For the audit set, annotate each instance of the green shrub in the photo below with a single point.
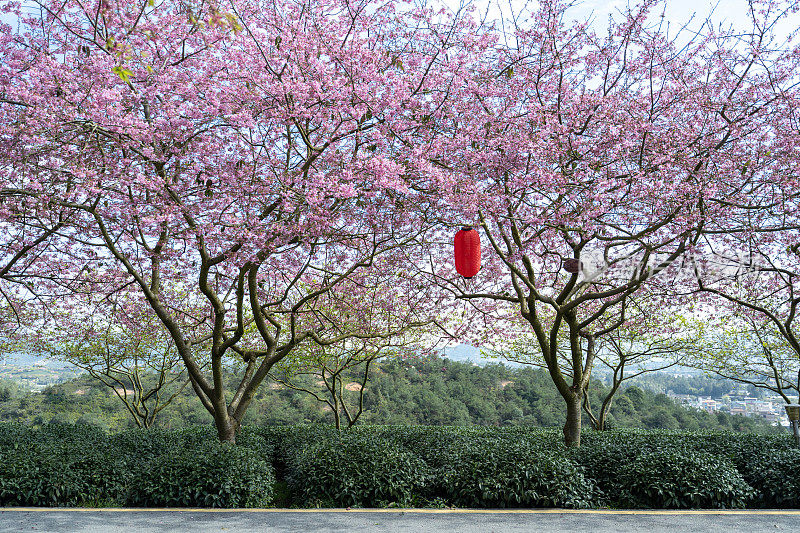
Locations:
(260, 440)
(492, 472)
(208, 475)
(29, 478)
(739, 448)
(613, 458)
(58, 465)
(433, 445)
(103, 474)
(354, 469)
(672, 479)
(15, 434)
(66, 465)
(776, 477)
(603, 462)
(138, 446)
(84, 436)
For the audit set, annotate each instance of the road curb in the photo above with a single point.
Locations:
(749, 512)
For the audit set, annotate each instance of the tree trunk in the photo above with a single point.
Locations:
(226, 429)
(597, 423)
(336, 418)
(572, 428)
(604, 409)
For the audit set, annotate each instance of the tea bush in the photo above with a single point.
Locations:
(59, 465)
(610, 457)
(211, 474)
(672, 479)
(354, 469)
(475, 466)
(493, 472)
(35, 479)
(775, 475)
(603, 461)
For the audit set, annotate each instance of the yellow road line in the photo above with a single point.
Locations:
(423, 511)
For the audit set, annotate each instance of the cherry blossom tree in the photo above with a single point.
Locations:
(240, 166)
(24, 238)
(123, 346)
(652, 337)
(745, 267)
(243, 166)
(337, 375)
(593, 163)
(752, 303)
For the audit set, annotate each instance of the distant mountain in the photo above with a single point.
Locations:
(465, 353)
(23, 359)
(469, 354)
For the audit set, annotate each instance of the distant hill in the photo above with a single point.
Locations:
(425, 391)
(464, 353)
(23, 359)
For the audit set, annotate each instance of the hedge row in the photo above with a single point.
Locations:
(64, 465)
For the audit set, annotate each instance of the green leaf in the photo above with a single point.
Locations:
(123, 73)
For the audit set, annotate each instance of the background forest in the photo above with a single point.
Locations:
(426, 391)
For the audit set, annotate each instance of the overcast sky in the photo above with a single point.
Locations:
(678, 12)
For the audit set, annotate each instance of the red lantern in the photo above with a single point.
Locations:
(467, 252)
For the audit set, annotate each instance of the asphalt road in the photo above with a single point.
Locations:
(411, 520)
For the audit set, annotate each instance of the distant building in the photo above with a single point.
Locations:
(686, 399)
(708, 404)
